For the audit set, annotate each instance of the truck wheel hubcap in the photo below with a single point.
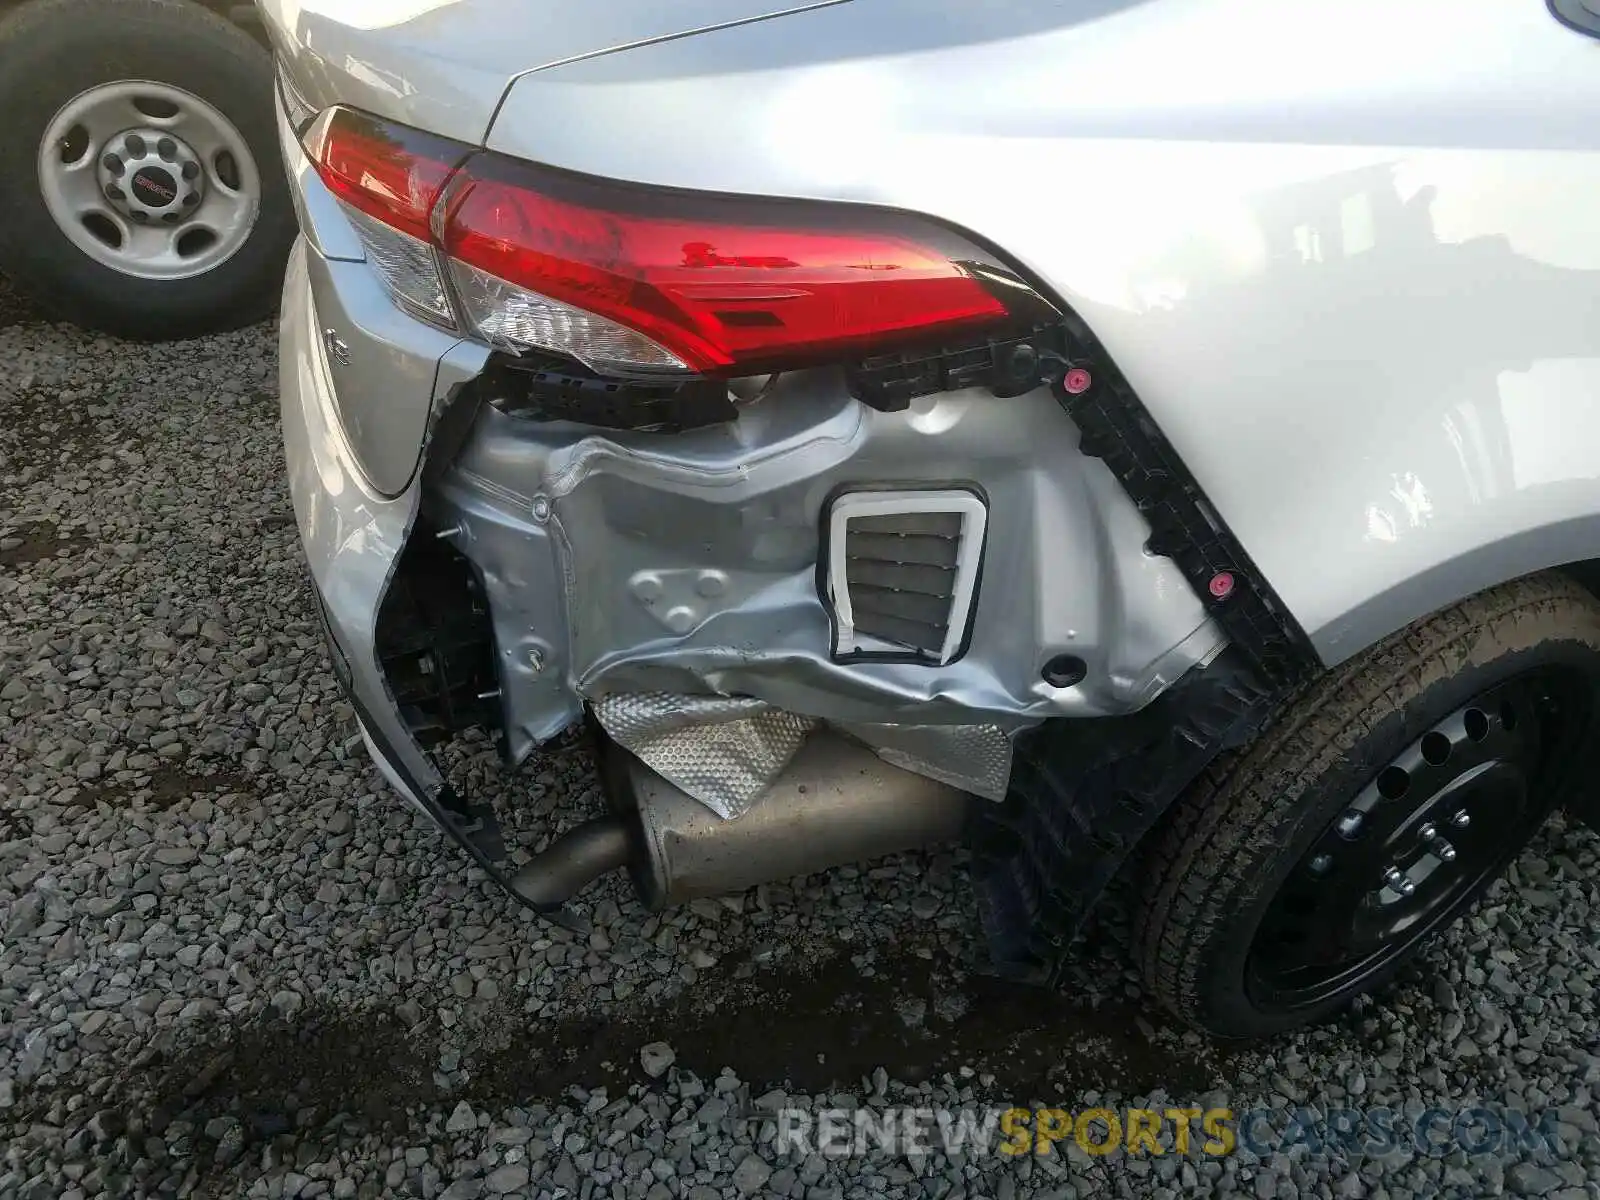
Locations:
(149, 180)
(1419, 842)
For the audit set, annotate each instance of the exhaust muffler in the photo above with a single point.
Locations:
(836, 802)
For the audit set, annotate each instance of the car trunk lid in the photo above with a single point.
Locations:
(443, 65)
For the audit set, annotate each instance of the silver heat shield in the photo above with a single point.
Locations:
(974, 758)
(723, 751)
(727, 751)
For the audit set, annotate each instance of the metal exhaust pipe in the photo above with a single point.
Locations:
(575, 860)
(836, 802)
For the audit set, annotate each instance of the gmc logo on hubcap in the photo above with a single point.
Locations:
(160, 189)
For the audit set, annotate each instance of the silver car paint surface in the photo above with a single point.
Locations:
(1339, 256)
(1332, 272)
(443, 65)
(351, 537)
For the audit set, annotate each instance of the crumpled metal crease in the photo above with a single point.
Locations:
(725, 751)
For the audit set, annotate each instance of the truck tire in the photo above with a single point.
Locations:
(1303, 869)
(144, 194)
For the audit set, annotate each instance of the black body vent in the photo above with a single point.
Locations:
(901, 571)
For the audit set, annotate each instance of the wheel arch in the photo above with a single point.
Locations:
(1565, 538)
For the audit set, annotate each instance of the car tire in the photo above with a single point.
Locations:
(1269, 902)
(212, 86)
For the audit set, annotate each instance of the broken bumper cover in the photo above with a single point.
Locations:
(620, 567)
(352, 539)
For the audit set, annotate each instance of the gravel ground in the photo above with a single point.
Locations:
(231, 963)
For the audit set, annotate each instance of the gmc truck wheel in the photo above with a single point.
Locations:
(1304, 869)
(143, 194)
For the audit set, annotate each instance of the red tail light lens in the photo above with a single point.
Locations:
(389, 179)
(386, 171)
(724, 283)
(631, 278)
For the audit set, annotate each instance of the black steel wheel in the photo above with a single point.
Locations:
(1420, 840)
(1379, 805)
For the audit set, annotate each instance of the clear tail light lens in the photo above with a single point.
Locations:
(408, 268)
(389, 178)
(513, 317)
(627, 278)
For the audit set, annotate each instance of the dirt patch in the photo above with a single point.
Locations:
(170, 785)
(35, 542)
(274, 1078)
(14, 310)
(833, 1025)
(813, 1030)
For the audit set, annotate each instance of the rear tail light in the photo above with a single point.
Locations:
(389, 179)
(629, 279)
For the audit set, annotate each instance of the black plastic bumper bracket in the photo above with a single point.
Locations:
(471, 826)
(1083, 793)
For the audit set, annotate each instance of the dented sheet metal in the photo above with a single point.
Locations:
(630, 564)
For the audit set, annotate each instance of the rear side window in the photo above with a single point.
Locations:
(1582, 15)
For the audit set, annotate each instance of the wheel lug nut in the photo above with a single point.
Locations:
(1350, 823)
(167, 149)
(134, 145)
(190, 199)
(1445, 851)
(1462, 819)
(1427, 833)
(190, 170)
(1398, 882)
(1321, 864)
(112, 163)
(113, 192)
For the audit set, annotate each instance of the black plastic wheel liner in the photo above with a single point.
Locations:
(1083, 793)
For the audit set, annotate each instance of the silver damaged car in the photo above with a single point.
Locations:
(1148, 438)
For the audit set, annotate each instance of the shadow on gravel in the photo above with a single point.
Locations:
(808, 1030)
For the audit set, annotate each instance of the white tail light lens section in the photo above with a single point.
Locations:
(406, 266)
(389, 179)
(722, 285)
(513, 318)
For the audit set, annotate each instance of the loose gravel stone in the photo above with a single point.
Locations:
(233, 963)
(655, 1058)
